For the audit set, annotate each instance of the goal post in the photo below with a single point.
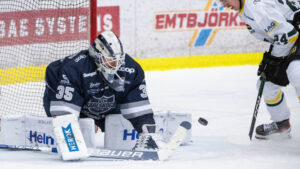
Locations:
(34, 33)
(93, 20)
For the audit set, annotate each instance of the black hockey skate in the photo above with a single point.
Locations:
(274, 130)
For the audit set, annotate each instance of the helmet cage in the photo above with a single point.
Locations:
(108, 53)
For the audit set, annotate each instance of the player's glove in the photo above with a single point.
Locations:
(270, 65)
(296, 21)
(150, 139)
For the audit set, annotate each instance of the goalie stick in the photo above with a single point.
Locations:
(98, 153)
(28, 148)
(162, 154)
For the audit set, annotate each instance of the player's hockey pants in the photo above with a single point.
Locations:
(274, 96)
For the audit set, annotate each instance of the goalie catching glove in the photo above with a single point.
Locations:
(150, 139)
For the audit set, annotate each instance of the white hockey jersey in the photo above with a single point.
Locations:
(271, 20)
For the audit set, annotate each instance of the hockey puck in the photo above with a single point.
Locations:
(202, 121)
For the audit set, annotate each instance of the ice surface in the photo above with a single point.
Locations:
(225, 96)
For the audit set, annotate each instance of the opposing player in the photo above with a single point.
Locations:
(277, 22)
(99, 81)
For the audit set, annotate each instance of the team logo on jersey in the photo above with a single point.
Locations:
(94, 88)
(97, 106)
(85, 75)
(93, 91)
(127, 69)
(72, 56)
(65, 80)
(271, 27)
(93, 85)
(79, 58)
(205, 23)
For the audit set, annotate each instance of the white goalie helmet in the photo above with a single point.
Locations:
(107, 50)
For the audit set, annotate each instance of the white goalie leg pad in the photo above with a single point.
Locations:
(69, 138)
(87, 127)
(13, 130)
(119, 133)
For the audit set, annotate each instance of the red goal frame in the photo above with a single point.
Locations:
(93, 20)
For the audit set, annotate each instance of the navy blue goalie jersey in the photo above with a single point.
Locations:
(74, 85)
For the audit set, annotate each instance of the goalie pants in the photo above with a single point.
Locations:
(274, 96)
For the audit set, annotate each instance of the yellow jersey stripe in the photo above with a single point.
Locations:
(294, 39)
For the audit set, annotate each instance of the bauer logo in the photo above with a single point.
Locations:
(40, 138)
(70, 139)
(204, 23)
(119, 153)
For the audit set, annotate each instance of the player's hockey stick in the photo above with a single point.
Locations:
(260, 91)
(162, 154)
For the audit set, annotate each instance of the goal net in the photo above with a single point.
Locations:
(34, 33)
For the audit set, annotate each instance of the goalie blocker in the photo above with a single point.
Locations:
(68, 136)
